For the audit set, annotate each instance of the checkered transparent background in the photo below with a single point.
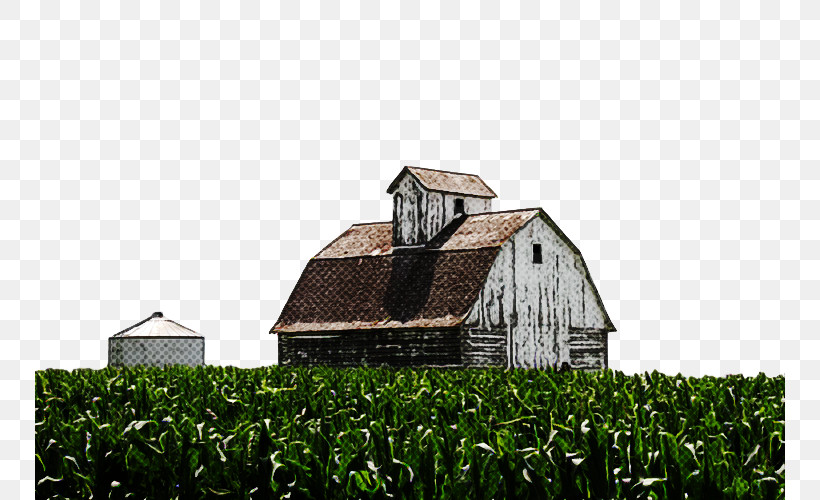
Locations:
(190, 158)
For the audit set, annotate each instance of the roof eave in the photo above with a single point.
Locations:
(284, 330)
(472, 195)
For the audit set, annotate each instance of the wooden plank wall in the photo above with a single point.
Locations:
(588, 349)
(537, 303)
(409, 213)
(372, 348)
(484, 347)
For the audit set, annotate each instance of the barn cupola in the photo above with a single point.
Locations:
(425, 201)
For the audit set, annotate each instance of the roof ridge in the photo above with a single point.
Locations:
(442, 171)
(429, 180)
(536, 209)
(414, 251)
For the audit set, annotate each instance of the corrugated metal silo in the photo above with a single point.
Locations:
(156, 341)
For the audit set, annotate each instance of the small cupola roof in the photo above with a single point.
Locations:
(446, 182)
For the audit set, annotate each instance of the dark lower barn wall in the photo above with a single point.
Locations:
(372, 348)
(588, 349)
(154, 351)
(484, 347)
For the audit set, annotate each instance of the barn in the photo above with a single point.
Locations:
(448, 282)
(156, 341)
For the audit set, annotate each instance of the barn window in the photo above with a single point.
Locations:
(459, 209)
(536, 253)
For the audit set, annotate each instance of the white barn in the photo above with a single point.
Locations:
(448, 282)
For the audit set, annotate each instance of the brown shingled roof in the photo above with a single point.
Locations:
(447, 182)
(359, 282)
(477, 231)
(426, 289)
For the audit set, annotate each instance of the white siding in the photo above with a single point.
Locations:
(409, 213)
(435, 213)
(536, 303)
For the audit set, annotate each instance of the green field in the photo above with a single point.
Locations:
(379, 433)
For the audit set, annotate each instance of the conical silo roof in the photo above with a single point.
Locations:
(158, 325)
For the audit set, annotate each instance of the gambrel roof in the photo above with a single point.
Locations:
(360, 281)
(445, 182)
(476, 231)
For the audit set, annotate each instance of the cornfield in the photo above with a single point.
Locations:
(204, 432)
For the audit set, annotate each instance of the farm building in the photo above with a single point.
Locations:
(156, 341)
(448, 282)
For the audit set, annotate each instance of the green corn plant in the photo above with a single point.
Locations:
(204, 432)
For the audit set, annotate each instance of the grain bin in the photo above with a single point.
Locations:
(156, 341)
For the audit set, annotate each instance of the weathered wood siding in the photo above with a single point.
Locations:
(409, 213)
(484, 347)
(441, 209)
(588, 349)
(536, 304)
(419, 214)
(372, 348)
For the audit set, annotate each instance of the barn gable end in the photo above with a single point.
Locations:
(537, 304)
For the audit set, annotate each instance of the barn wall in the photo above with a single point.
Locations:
(131, 351)
(409, 213)
(441, 209)
(435, 213)
(484, 347)
(418, 214)
(372, 348)
(472, 205)
(536, 304)
(588, 349)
